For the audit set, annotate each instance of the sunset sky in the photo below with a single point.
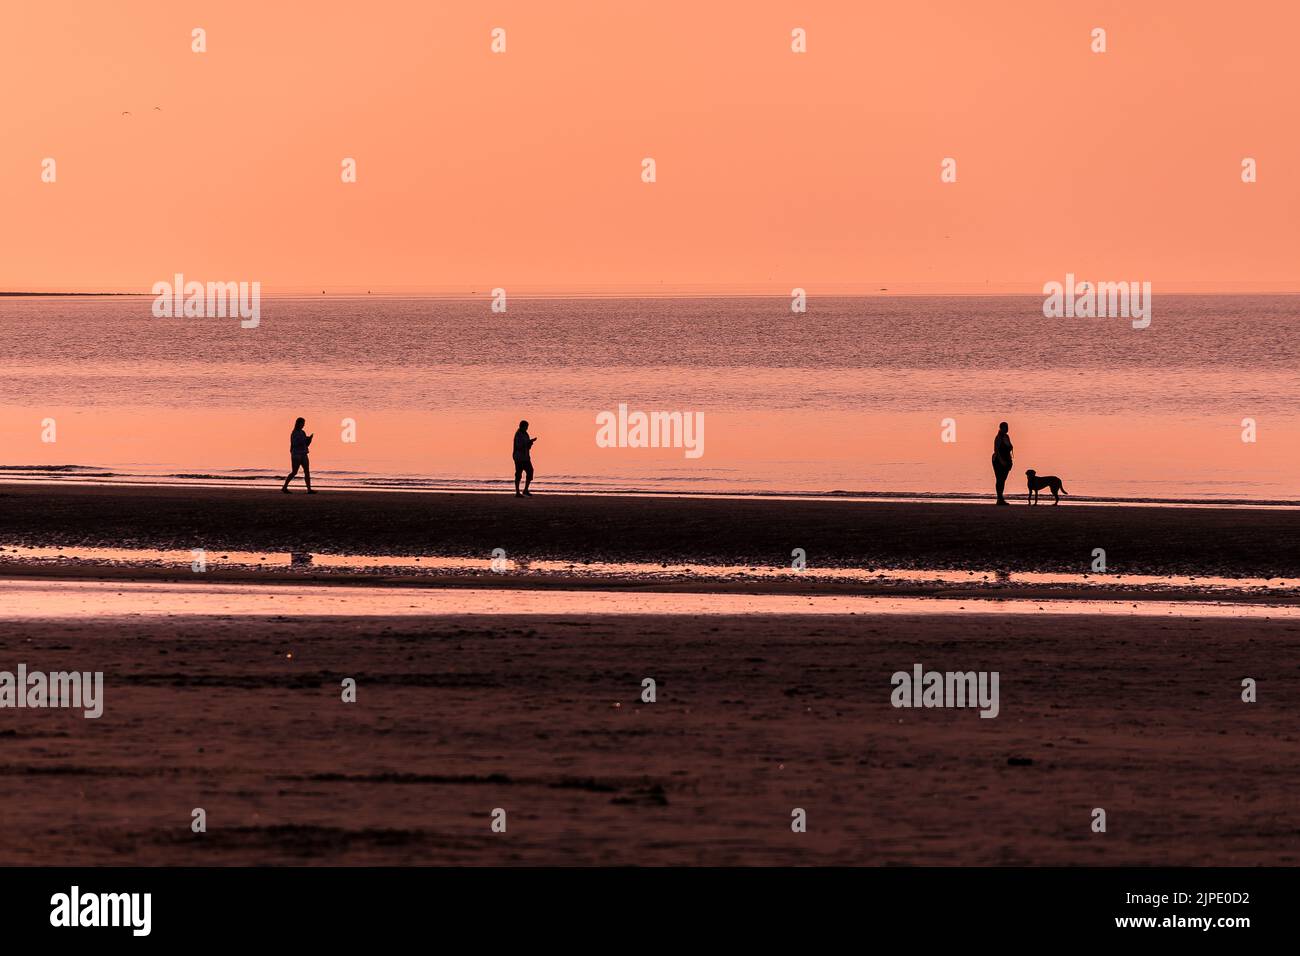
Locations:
(775, 169)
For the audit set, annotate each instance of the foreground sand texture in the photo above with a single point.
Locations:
(755, 716)
(237, 708)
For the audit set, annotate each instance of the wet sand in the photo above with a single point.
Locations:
(71, 600)
(1137, 540)
(235, 707)
(756, 715)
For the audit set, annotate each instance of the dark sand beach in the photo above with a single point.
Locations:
(1248, 542)
(540, 714)
(456, 716)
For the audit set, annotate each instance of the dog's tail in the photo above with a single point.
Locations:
(1063, 491)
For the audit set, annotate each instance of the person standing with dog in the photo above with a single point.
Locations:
(1001, 460)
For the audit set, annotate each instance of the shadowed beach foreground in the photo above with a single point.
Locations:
(540, 713)
(456, 716)
(760, 531)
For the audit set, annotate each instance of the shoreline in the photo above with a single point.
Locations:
(402, 484)
(760, 533)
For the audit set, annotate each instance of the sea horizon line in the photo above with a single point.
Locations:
(683, 294)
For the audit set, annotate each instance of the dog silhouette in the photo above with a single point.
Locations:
(1050, 482)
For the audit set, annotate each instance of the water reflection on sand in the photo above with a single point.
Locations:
(515, 568)
(38, 599)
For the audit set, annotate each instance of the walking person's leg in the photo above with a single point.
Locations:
(1000, 480)
(289, 478)
(306, 474)
(528, 470)
(519, 470)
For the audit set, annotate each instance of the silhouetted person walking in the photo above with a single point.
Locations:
(523, 459)
(299, 442)
(1001, 460)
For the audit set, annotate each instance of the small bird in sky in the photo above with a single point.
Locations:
(126, 113)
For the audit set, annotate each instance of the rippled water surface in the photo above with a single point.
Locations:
(851, 396)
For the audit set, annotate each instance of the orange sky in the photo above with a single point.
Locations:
(775, 169)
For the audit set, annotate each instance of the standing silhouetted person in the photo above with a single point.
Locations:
(299, 442)
(523, 459)
(1001, 460)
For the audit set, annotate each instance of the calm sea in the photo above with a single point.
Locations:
(855, 395)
